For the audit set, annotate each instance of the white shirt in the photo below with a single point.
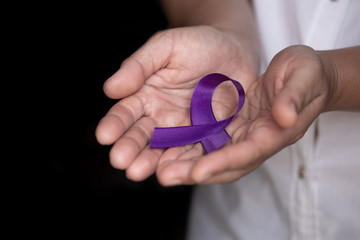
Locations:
(310, 190)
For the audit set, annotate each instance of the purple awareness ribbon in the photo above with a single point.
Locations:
(205, 128)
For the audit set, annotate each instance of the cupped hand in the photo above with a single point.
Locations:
(279, 108)
(155, 85)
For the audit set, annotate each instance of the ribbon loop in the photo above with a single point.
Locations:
(205, 128)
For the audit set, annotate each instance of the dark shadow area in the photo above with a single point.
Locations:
(65, 185)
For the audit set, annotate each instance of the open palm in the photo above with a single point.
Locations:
(155, 86)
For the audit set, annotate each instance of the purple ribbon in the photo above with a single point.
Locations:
(205, 127)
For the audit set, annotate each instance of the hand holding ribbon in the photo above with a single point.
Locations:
(155, 87)
(205, 127)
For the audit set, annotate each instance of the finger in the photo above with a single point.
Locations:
(284, 111)
(173, 153)
(182, 152)
(196, 150)
(129, 146)
(118, 119)
(173, 169)
(241, 155)
(134, 71)
(299, 90)
(276, 87)
(175, 172)
(225, 177)
(204, 170)
(244, 156)
(144, 165)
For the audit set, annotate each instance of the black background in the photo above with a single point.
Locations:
(56, 178)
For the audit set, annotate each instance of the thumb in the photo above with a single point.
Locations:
(295, 95)
(134, 71)
(284, 110)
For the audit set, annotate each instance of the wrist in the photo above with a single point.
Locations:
(248, 43)
(331, 75)
(343, 71)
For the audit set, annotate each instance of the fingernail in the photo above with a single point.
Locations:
(204, 178)
(174, 182)
(278, 85)
(292, 105)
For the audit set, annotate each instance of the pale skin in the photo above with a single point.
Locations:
(155, 86)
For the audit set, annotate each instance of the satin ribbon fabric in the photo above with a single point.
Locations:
(205, 128)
